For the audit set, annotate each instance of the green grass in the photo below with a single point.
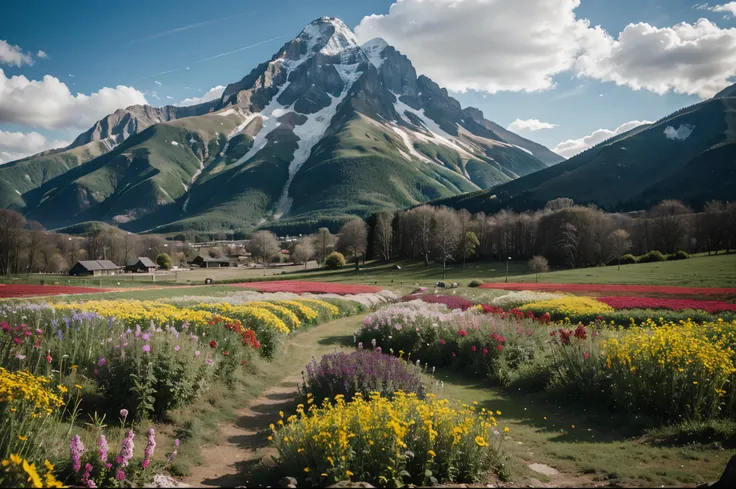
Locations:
(602, 446)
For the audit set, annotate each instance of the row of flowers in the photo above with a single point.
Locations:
(667, 370)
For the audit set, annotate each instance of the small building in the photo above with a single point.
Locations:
(94, 268)
(203, 262)
(142, 264)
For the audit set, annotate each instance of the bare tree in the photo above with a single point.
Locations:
(713, 220)
(263, 245)
(423, 219)
(446, 236)
(324, 242)
(467, 247)
(11, 224)
(559, 203)
(33, 243)
(619, 244)
(668, 218)
(384, 234)
(303, 252)
(353, 240)
(538, 264)
(569, 240)
(57, 264)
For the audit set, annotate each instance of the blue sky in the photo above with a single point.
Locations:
(91, 45)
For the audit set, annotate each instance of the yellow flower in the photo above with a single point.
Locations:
(306, 469)
(348, 473)
(498, 413)
(506, 429)
(480, 441)
(22, 438)
(79, 387)
(270, 438)
(49, 466)
(431, 453)
(15, 458)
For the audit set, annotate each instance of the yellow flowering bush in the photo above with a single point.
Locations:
(389, 442)
(135, 312)
(16, 471)
(305, 313)
(324, 308)
(569, 306)
(27, 404)
(673, 370)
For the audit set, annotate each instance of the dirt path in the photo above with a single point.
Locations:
(244, 443)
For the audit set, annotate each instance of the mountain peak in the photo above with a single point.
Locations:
(373, 50)
(328, 35)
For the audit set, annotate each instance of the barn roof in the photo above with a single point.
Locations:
(93, 265)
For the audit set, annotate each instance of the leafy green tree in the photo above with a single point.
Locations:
(335, 260)
(164, 261)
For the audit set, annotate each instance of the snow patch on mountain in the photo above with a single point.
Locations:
(410, 145)
(523, 149)
(312, 131)
(680, 134)
(373, 50)
(317, 33)
(270, 115)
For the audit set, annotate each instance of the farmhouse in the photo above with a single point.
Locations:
(141, 264)
(203, 262)
(94, 268)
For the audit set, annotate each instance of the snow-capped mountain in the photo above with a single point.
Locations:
(324, 130)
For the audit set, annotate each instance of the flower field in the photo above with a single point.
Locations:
(300, 287)
(612, 288)
(624, 302)
(26, 290)
(132, 360)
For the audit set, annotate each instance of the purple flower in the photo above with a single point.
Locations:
(124, 413)
(150, 447)
(146, 337)
(177, 348)
(208, 361)
(126, 451)
(173, 454)
(87, 473)
(146, 348)
(76, 449)
(103, 448)
(91, 484)
(101, 362)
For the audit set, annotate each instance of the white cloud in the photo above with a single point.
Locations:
(694, 59)
(170, 97)
(680, 134)
(529, 125)
(521, 45)
(571, 147)
(212, 94)
(490, 45)
(42, 54)
(729, 7)
(157, 82)
(13, 55)
(16, 145)
(48, 103)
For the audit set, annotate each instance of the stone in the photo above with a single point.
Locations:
(286, 482)
(543, 469)
(160, 480)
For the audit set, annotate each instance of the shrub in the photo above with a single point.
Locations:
(652, 256)
(475, 283)
(164, 261)
(335, 260)
(389, 442)
(451, 301)
(628, 259)
(568, 307)
(361, 372)
(680, 255)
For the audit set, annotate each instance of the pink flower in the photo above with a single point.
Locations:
(462, 332)
(453, 355)
(208, 361)
(499, 347)
(146, 348)
(585, 355)
(120, 475)
(442, 342)
(150, 446)
(473, 348)
(484, 351)
(124, 413)
(197, 353)
(76, 449)
(177, 348)
(101, 362)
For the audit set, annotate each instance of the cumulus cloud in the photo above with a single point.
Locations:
(521, 45)
(42, 54)
(694, 59)
(571, 147)
(48, 103)
(13, 55)
(212, 94)
(680, 134)
(490, 45)
(530, 125)
(16, 145)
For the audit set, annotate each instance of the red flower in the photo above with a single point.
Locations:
(226, 353)
(462, 332)
(473, 348)
(48, 358)
(213, 344)
(484, 351)
(243, 362)
(585, 355)
(499, 347)
(442, 342)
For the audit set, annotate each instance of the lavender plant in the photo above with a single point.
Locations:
(360, 372)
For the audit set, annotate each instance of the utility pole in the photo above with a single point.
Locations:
(507, 269)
